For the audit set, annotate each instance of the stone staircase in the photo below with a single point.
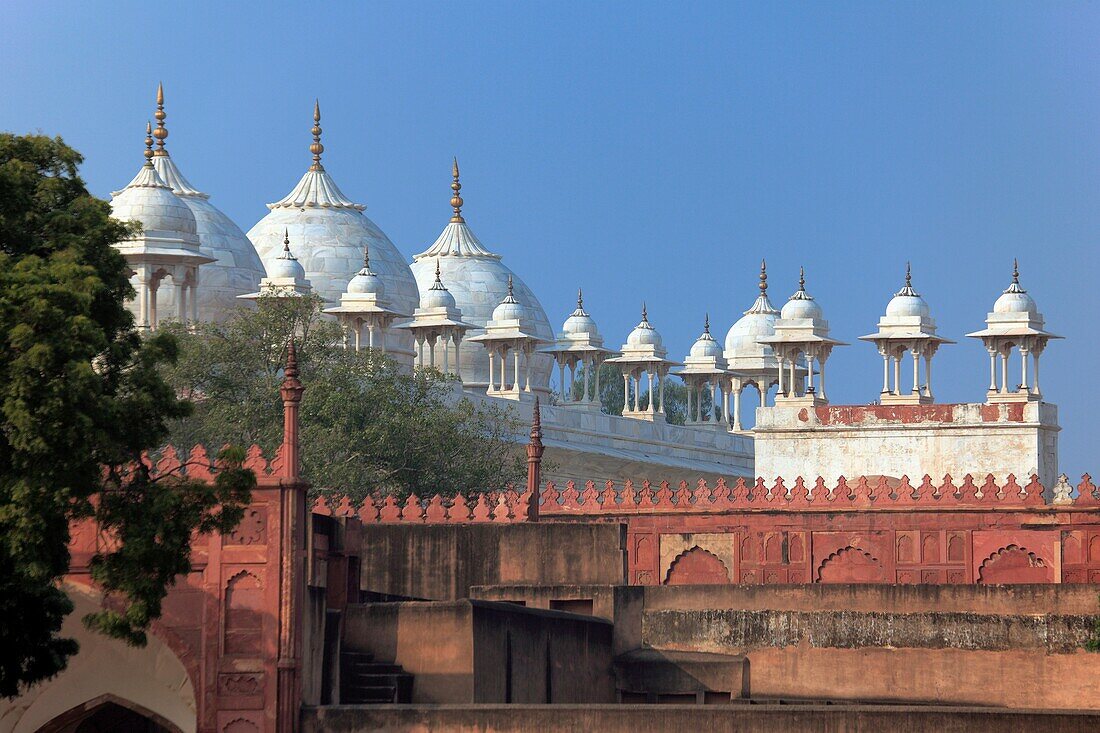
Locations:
(363, 681)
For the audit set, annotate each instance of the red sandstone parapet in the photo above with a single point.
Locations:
(606, 498)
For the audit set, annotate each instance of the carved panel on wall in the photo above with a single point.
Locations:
(252, 530)
(697, 567)
(851, 565)
(1014, 564)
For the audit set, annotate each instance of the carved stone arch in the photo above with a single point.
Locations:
(1014, 564)
(110, 712)
(153, 682)
(696, 566)
(851, 565)
(242, 625)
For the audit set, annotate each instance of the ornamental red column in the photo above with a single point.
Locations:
(292, 501)
(534, 464)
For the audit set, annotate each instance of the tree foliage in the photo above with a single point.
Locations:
(366, 426)
(81, 397)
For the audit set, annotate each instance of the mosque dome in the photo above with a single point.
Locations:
(908, 303)
(331, 233)
(478, 280)
(756, 323)
(801, 304)
(644, 334)
(148, 200)
(367, 283)
(437, 296)
(237, 268)
(286, 266)
(579, 323)
(705, 345)
(510, 309)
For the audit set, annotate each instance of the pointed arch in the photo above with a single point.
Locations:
(696, 566)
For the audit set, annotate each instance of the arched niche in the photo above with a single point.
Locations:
(149, 681)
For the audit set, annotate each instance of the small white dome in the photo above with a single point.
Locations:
(743, 337)
(149, 201)
(908, 305)
(367, 283)
(437, 298)
(706, 346)
(579, 323)
(644, 334)
(801, 308)
(286, 266)
(509, 311)
(1015, 301)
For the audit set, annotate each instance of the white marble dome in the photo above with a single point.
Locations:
(286, 266)
(908, 306)
(706, 346)
(644, 334)
(801, 308)
(149, 201)
(478, 280)
(580, 325)
(1015, 302)
(330, 232)
(742, 338)
(510, 309)
(367, 282)
(437, 296)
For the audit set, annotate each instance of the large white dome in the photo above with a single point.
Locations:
(237, 267)
(148, 201)
(757, 322)
(478, 280)
(330, 233)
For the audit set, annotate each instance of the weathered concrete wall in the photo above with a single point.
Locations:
(473, 651)
(909, 440)
(442, 562)
(679, 718)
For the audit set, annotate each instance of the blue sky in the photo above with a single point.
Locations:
(641, 151)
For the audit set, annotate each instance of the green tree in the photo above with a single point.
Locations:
(81, 397)
(366, 425)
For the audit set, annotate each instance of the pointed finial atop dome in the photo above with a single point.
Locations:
(438, 284)
(908, 288)
(1015, 286)
(286, 246)
(801, 278)
(366, 256)
(706, 324)
(148, 144)
(801, 293)
(580, 299)
(456, 199)
(161, 133)
(645, 316)
(510, 293)
(316, 147)
(763, 277)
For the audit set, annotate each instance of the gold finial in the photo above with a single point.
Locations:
(1015, 272)
(763, 277)
(316, 148)
(456, 199)
(148, 143)
(161, 133)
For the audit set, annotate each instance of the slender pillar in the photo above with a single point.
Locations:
(587, 369)
(885, 373)
(626, 392)
(897, 374)
(916, 372)
(527, 370)
(181, 299)
(809, 374)
(154, 317)
(992, 370)
(737, 407)
(491, 360)
(1023, 371)
(1035, 385)
(596, 366)
(660, 392)
(652, 407)
(358, 335)
(928, 377)
(782, 366)
(458, 357)
(444, 341)
(515, 369)
(821, 362)
(792, 385)
(561, 376)
(1004, 373)
(194, 297)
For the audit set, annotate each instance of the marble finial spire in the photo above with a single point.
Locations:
(161, 133)
(456, 198)
(1015, 286)
(316, 147)
(908, 288)
(763, 277)
(286, 245)
(148, 144)
(801, 293)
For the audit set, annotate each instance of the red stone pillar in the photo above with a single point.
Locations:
(534, 464)
(292, 502)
